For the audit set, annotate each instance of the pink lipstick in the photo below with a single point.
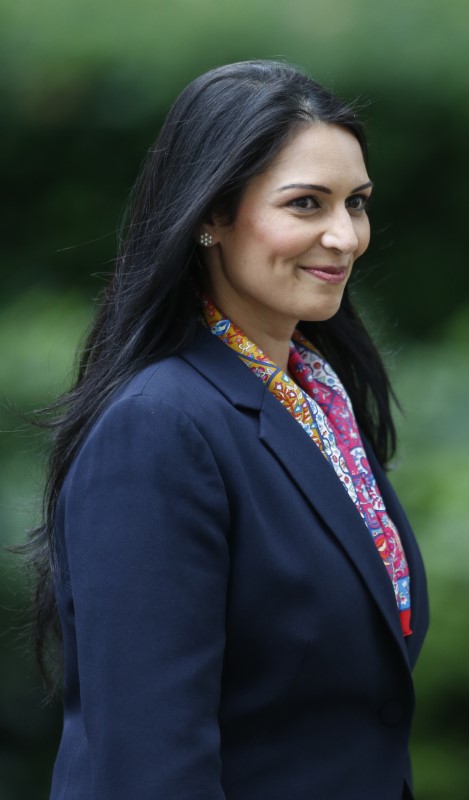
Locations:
(328, 274)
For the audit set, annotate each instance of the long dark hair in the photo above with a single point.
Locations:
(224, 129)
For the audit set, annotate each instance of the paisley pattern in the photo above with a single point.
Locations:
(317, 400)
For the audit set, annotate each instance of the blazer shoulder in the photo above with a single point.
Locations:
(169, 377)
(206, 376)
(176, 399)
(169, 387)
(148, 419)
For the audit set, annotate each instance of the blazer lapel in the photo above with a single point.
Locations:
(418, 584)
(318, 482)
(305, 464)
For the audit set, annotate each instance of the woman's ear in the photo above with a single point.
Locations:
(211, 231)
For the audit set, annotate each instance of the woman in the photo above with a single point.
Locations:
(231, 565)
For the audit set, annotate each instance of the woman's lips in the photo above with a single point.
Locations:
(328, 274)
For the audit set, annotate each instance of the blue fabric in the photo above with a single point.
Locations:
(202, 661)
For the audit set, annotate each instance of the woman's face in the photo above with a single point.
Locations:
(298, 230)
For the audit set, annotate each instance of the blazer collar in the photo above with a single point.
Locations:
(306, 465)
(219, 364)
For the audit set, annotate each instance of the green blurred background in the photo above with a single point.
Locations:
(84, 87)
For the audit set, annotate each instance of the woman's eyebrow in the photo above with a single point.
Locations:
(317, 188)
(368, 185)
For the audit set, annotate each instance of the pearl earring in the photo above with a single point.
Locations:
(206, 239)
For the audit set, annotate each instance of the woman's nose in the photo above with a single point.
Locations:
(340, 233)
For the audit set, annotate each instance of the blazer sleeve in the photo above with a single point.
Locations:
(146, 522)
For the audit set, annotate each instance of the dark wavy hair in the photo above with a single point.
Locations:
(225, 128)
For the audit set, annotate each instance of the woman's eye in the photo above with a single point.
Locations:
(358, 202)
(306, 203)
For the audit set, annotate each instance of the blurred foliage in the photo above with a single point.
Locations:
(84, 87)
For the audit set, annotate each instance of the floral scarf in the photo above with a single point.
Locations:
(317, 400)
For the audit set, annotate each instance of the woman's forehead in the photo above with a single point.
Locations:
(318, 154)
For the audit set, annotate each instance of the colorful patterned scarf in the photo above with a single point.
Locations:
(324, 411)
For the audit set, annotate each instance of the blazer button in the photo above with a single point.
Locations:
(391, 713)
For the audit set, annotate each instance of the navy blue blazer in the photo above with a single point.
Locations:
(230, 631)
